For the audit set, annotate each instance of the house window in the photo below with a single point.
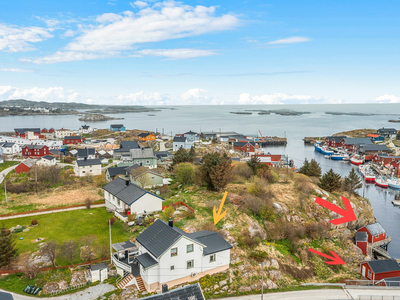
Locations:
(189, 248)
(172, 268)
(213, 257)
(369, 273)
(174, 251)
(190, 264)
(147, 161)
(119, 202)
(83, 172)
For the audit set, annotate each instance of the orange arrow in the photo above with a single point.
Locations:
(217, 215)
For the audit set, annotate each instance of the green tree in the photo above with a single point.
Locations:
(330, 181)
(314, 169)
(352, 182)
(254, 163)
(215, 170)
(182, 155)
(184, 173)
(398, 135)
(192, 152)
(8, 252)
(304, 169)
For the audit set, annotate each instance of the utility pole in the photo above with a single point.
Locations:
(262, 281)
(36, 177)
(5, 187)
(109, 229)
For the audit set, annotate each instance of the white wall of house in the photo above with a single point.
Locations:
(99, 275)
(148, 203)
(113, 202)
(87, 170)
(46, 162)
(221, 259)
(184, 145)
(11, 150)
(91, 156)
(60, 134)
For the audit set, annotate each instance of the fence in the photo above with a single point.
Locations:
(68, 289)
(384, 282)
(367, 297)
(179, 203)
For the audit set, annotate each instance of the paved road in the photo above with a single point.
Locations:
(162, 146)
(5, 172)
(91, 293)
(333, 294)
(50, 212)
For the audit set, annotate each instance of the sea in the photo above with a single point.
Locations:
(218, 118)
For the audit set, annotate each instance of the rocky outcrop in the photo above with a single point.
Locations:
(97, 117)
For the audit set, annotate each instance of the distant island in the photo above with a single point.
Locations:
(21, 107)
(241, 113)
(394, 121)
(97, 117)
(282, 112)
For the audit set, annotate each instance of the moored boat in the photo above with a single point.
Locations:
(339, 156)
(369, 177)
(317, 146)
(394, 183)
(396, 202)
(356, 160)
(381, 182)
(326, 151)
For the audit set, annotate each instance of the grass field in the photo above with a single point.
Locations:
(8, 164)
(70, 225)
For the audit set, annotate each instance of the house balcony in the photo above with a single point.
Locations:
(122, 215)
(125, 257)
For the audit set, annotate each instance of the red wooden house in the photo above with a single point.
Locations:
(35, 151)
(44, 130)
(384, 159)
(353, 144)
(380, 269)
(395, 167)
(246, 147)
(22, 132)
(73, 140)
(334, 141)
(270, 159)
(375, 232)
(362, 241)
(25, 166)
(52, 130)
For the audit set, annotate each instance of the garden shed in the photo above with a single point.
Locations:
(99, 272)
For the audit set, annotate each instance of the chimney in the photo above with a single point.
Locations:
(171, 223)
(126, 182)
(164, 288)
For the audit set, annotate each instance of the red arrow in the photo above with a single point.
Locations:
(335, 259)
(348, 213)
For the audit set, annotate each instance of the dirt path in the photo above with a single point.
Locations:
(50, 212)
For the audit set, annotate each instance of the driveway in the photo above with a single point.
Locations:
(5, 172)
(91, 293)
(333, 294)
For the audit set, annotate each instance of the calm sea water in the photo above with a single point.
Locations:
(180, 119)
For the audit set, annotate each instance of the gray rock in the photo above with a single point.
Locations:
(223, 282)
(216, 286)
(255, 229)
(274, 263)
(243, 289)
(270, 284)
(275, 274)
(225, 288)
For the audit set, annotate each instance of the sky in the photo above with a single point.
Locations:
(200, 52)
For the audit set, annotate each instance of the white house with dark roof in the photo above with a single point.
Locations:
(191, 136)
(181, 141)
(87, 167)
(88, 153)
(85, 129)
(168, 255)
(124, 197)
(10, 148)
(47, 160)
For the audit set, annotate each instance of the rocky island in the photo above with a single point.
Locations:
(97, 117)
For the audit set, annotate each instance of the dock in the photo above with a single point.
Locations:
(312, 139)
(272, 141)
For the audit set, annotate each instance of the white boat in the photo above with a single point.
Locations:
(356, 160)
(394, 183)
(381, 182)
(339, 156)
(396, 202)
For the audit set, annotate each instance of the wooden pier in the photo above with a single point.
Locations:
(272, 141)
(312, 139)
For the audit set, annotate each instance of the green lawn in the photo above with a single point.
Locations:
(70, 225)
(8, 164)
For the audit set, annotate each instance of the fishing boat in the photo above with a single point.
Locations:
(394, 183)
(356, 160)
(339, 156)
(369, 177)
(396, 202)
(381, 182)
(326, 151)
(317, 146)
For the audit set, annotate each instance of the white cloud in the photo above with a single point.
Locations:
(140, 4)
(162, 21)
(16, 39)
(69, 33)
(183, 53)
(290, 40)
(387, 99)
(198, 96)
(15, 70)
(277, 98)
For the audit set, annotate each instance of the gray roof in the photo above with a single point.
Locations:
(132, 167)
(76, 137)
(159, 237)
(142, 153)
(128, 145)
(126, 193)
(375, 148)
(351, 141)
(146, 260)
(35, 146)
(86, 152)
(97, 267)
(241, 144)
(188, 292)
(8, 144)
(116, 171)
(144, 134)
(387, 155)
(159, 154)
(116, 125)
(375, 228)
(387, 129)
(393, 281)
(191, 132)
(214, 241)
(29, 162)
(384, 265)
(48, 157)
(337, 139)
(124, 246)
(6, 296)
(85, 126)
(179, 139)
(88, 162)
(23, 130)
(361, 236)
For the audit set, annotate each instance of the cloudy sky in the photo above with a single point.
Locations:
(200, 52)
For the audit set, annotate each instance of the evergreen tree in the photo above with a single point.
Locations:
(254, 163)
(314, 169)
(182, 155)
(215, 170)
(192, 152)
(352, 182)
(398, 135)
(330, 181)
(306, 166)
(7, 247)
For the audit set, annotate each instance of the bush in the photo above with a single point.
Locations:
(34, 222)
(112, 220)
(168, 212)
(132, 217)
(243, 170)
(246, 240)
(184, 173)
(268, 213)
(253, 203)
(265, 173)
(210, 227)
(88, 203)
(258, 255)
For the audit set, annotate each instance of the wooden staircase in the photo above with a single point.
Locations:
(140, 283)
(122, 284)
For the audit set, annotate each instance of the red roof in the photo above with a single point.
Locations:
(373, 135)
